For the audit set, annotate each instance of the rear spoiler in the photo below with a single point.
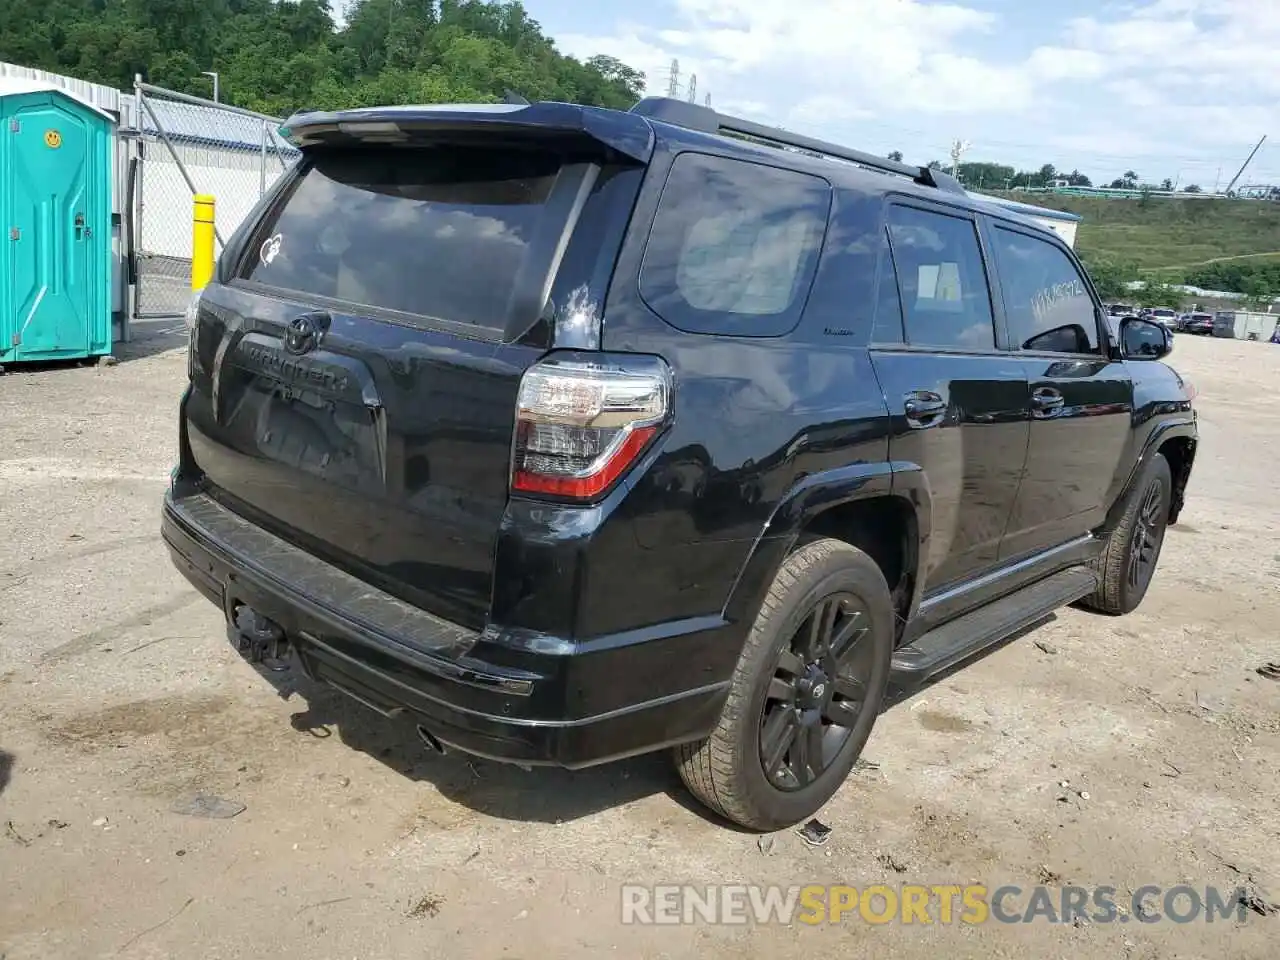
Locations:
(629, 134)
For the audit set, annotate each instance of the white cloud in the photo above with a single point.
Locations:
(1162, 81)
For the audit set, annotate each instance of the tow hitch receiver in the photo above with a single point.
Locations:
(258, 639)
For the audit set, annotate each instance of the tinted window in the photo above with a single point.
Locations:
(734, 246)
(943, 283)
(1046, 300)
(888, 323)
(440, 233)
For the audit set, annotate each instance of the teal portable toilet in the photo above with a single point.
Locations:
(55, 218)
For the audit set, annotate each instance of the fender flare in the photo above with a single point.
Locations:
(813, 495)
(1169, 430)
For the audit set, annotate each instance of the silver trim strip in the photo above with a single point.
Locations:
(999, 574)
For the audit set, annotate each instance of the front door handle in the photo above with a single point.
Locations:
(924, 408)
(1046, 401)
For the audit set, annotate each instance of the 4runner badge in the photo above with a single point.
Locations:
(271, 248)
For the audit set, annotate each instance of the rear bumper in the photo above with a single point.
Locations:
(608, 698)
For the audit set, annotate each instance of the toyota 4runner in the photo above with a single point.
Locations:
(571, 434)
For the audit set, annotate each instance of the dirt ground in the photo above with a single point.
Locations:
(119, 697)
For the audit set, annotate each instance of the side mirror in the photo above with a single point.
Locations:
(1142, 339)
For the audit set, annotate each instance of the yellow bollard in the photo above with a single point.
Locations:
(202, 241)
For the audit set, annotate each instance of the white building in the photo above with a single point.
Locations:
(1062, 223)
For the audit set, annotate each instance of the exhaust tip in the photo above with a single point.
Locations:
(430, 740)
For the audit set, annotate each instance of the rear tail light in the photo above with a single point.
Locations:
(582, 423)
(192, 316)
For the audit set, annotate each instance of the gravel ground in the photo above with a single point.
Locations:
(119, 698)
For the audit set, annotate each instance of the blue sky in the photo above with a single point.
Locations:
(1169, 88)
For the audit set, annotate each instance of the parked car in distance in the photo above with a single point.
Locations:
(1165, 316)
(568, 434)
(1122, 309)
(1200, 323)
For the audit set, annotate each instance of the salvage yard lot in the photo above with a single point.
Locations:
(119, 698)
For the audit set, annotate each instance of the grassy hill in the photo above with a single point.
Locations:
(1166, 236)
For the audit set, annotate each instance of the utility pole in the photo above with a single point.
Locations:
(1240, 172)
(958, 148)
(673, 86)
(707, 101)
(213, 75)
(693, 88)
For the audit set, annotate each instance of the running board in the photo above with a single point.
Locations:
(960, 639)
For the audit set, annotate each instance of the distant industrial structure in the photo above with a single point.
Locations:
(1248, 191)
(1253, 191)
(675, 90)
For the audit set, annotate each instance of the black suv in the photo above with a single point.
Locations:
(571, 434)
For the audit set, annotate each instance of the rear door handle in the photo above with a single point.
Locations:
(924, 408)
(1046, 401)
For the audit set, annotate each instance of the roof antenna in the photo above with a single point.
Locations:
(510, 96)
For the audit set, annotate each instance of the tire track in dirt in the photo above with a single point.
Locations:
(12, 578)
(143, 618)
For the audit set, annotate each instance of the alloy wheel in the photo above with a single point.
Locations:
(817, 694)
(1148, 535)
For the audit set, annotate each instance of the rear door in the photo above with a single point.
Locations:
(958, 403)
(1081, 399)
(355, 373)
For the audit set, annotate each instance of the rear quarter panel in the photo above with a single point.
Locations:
(753, 416)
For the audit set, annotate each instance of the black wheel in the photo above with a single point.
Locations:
(805, 694)
(1128, 561)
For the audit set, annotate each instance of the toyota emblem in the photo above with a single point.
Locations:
(300, 336)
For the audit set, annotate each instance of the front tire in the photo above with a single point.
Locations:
(805, 693)
(1128, 561)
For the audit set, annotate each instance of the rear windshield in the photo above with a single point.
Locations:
(439, 233)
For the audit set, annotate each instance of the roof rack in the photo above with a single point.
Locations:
(693, 116)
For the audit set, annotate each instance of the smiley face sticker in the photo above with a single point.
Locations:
(52, 139)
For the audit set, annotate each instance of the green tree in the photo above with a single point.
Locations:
(1158, 293)
(1111, 277)
(1260, 291)
(278, 56)
(981, 175)
(616, 72)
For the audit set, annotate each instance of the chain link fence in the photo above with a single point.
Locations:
(187, 146)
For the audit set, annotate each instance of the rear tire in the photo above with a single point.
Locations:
(805, 694)
(1128, 561)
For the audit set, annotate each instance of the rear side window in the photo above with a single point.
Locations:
(440, 233)
(734, 246)
(1046, 300)
(888, 322)
(942, 281)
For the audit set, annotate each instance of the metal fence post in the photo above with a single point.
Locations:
(190, 146)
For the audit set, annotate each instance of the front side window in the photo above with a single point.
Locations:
(1046, 300)
(945, 300)
(734, 246)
